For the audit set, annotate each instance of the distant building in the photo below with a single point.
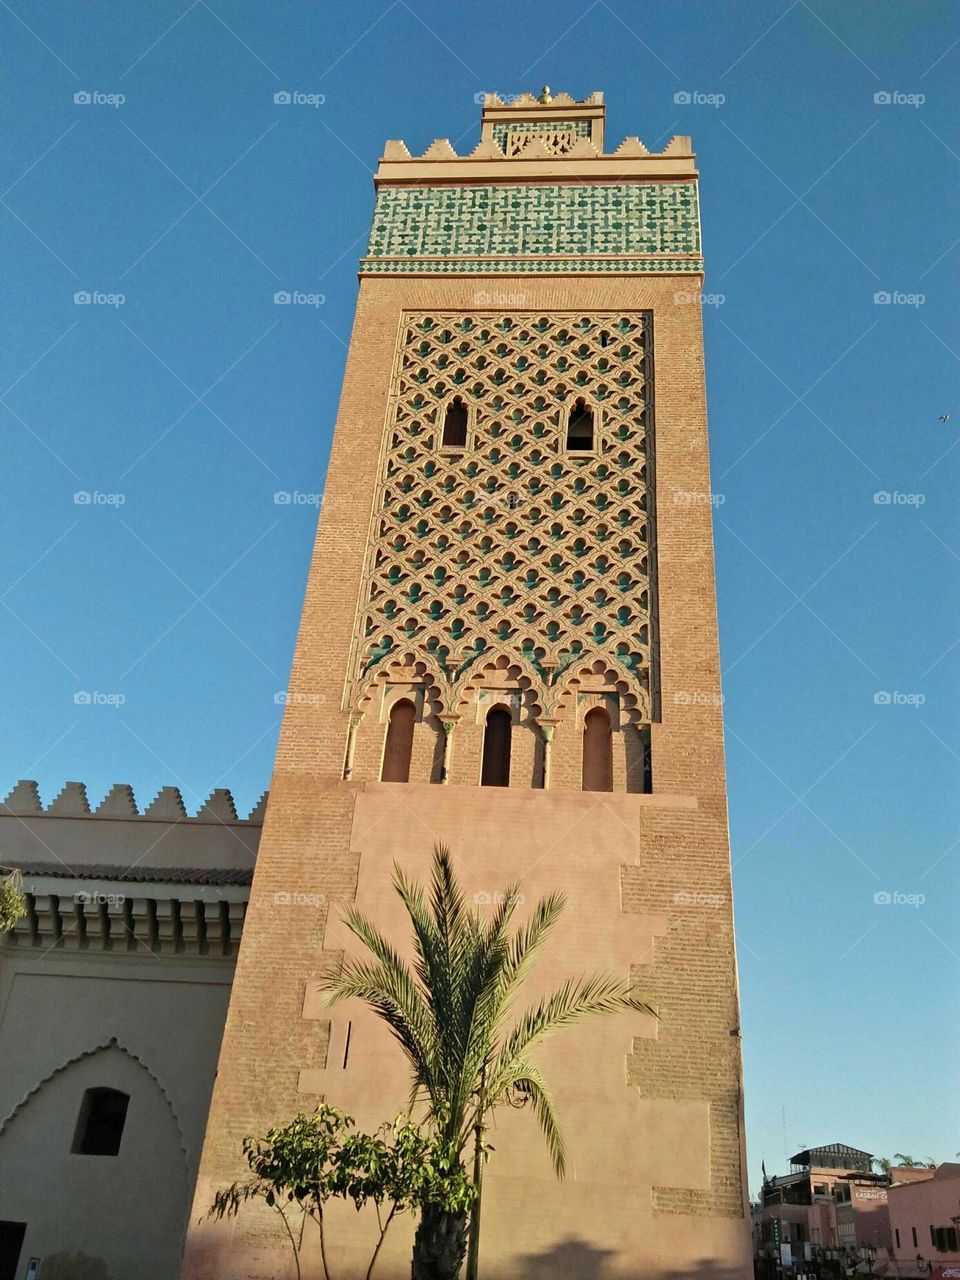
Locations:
(800, 1207)
(861, 1210)
(925, 1223)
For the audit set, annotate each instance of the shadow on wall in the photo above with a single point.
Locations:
(73, 1266)
(576, 1260)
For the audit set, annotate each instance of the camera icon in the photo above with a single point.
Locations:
(282, 98)
(682, 99)
(82, 698)
(282, 298)
(883, 898)
(882, 699)
(882, 99)
(883, 298)
(882, 498)
(82, 498)
(83, 98)
(82, 298)
(282, 498)
(482, 899)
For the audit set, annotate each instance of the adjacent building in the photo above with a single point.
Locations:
(925, 1222)
(113, 995)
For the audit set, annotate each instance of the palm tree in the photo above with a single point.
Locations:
(449, 1010)
(906, 1162)
(882, 1163)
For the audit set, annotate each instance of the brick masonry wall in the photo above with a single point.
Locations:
(311, 851)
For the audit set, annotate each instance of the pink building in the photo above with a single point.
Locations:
(925, 1224)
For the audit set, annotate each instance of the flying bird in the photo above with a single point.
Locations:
(944, 417)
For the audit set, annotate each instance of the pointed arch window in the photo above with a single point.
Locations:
(496, 748)
(580, 426)
(597, 751)
(399, 745)
(455, 425)
(103, 1114)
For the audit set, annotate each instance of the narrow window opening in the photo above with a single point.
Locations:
(346, 1045)
(580, 426)
(496, 749)
(103, 1114)
(597, 751)
(399, 745)
(647, 764)
(455, 425)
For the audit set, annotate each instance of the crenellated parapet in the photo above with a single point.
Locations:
(72, 801)
(539, 193)
(72, 834)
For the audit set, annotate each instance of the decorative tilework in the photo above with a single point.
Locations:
(531, 266)
(515, 545)
(579, 128)
(450, 228)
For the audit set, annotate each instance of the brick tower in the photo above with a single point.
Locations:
(509, 643)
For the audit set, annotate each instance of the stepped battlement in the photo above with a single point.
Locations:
(167, 805)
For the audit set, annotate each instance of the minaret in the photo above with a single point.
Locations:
(509, 643)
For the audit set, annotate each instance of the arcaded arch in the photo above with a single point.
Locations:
(497, 735)
(398, 748)
(597, 770)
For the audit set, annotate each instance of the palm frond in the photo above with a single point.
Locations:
(573, 1001)
(528, 1084)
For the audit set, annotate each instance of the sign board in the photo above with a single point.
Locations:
(33, 1269)
(786, 1254)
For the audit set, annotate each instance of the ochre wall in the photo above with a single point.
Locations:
(654, 1124)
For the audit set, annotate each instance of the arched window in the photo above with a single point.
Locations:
(399, 745)
(496, 749)
(103, 1113)
(455, 425)
(580, 426)
(597, 751)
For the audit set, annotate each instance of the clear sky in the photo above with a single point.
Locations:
(186, 407)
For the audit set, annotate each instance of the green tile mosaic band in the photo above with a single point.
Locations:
(579, 128)
(531, 227)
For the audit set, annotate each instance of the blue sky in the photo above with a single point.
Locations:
(196, 399)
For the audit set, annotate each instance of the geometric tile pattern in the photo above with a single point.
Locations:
(503, 134)
(576, 222)
(514, 545)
